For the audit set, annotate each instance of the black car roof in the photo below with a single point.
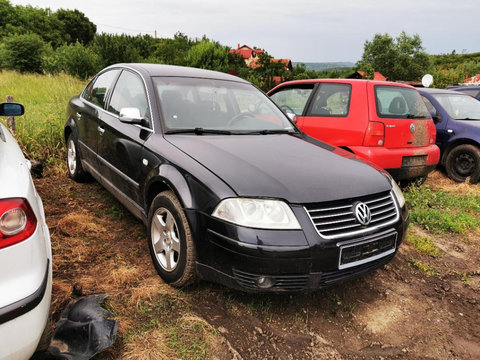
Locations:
(178, 71)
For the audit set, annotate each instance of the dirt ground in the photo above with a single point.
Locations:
(398, 312)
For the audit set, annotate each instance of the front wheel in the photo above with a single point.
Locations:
(463, 162)
(170, 241)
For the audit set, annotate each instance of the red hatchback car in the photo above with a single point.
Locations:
(384, 122)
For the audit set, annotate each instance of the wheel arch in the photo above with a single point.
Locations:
(454, 144)
(165, 178)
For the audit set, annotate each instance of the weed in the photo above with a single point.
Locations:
(424, 245)
(423, 267)
(441, 212)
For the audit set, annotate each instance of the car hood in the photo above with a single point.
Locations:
(282, 166)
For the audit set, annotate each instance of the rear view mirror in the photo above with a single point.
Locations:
(11, 109)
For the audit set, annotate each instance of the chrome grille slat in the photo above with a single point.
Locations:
(329, 216)
(331, 219)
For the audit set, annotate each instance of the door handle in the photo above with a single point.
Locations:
(101, 130)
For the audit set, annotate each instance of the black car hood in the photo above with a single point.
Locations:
(281, 166)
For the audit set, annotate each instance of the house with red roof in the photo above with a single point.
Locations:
(361, 75)
(250, 55)
(474, 80)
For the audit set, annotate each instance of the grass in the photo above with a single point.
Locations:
(442, 212)
(40, 131)
(424, 245)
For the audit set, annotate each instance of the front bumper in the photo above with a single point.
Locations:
(293, 260)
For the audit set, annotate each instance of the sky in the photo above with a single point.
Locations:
(301, 30)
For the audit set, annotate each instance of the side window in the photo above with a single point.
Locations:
(128, 93)
(96, 91)
(331, 100)
(432, 110)
(430, 106)
(293, 99)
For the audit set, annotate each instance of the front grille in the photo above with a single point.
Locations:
(336, 219)
(281, 282)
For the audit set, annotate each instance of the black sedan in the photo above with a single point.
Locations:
(229, 189)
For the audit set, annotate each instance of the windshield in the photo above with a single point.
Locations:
(459, 107)
(400, 103)
(209, 106)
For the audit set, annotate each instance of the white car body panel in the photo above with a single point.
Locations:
(23, 266)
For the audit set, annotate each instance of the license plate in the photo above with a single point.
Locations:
(362, 252)
(419, 160)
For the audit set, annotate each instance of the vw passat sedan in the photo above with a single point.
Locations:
(229, 189)
(25, 252)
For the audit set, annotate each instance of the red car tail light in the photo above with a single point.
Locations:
(375, 134)
(17, 221)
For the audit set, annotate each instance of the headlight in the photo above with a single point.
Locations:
(257, 213)
(398, 193)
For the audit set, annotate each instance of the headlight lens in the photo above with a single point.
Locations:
(398, 193)
(257, 213)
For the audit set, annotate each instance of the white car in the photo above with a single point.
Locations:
(25, 251)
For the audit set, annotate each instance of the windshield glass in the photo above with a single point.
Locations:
(210, 105)
(400, 103)
(459, 107)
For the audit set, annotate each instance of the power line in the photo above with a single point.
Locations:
(126, 29)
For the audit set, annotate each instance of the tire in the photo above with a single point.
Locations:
(170, 241)
(74, 164)
(463, 162)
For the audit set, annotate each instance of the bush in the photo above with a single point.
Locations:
(77, 60)
(23, 53)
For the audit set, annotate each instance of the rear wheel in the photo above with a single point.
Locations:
(463, 162)
(170, 241)
(74, 164)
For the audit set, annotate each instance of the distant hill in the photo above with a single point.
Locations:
(322, 66)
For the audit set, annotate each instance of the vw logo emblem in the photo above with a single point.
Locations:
(362, 213)
(412, 128)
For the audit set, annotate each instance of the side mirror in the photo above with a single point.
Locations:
(11, 109)
(131, 115)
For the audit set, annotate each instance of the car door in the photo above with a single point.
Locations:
(336, 116)
(88, 112)
(120, 146)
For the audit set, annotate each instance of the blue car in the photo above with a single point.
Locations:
(457, 119)
(472, 90)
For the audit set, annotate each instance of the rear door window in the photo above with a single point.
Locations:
(293, 99)
(331, 100)
(399, 103)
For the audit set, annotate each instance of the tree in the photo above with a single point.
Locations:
(76, 26)
(402, 58)
(23, 53)
(208, 55)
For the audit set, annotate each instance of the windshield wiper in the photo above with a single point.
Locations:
(199, 131)
(467, 119)
(413, 116)
(272, 131)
